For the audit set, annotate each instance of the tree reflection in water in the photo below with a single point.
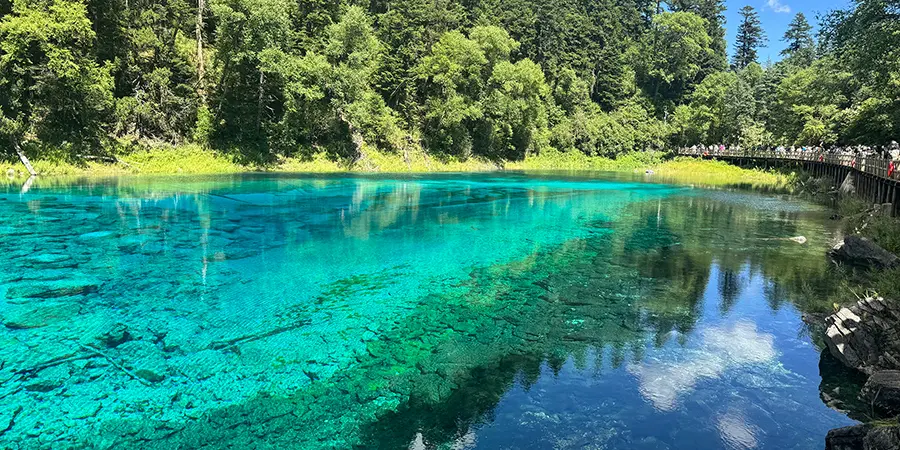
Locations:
(495, 311)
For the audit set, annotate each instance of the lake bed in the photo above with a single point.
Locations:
(498, 310)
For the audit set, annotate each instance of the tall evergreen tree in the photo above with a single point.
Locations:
(750, 37)
(800, 45)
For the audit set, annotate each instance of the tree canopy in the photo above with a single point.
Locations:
(499, 79)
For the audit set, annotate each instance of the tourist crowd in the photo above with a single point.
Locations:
(878, 160)
(890, 151)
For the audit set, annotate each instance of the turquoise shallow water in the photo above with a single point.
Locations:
(455, 311)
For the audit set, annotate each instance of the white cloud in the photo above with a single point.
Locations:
(778, 7)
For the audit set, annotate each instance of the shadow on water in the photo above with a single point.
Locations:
(840, 389)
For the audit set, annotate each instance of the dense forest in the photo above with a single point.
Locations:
(495, 78)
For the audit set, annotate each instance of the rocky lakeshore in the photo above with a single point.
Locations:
(865, 337)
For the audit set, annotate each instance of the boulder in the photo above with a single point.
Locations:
(883, 438)
(847, 187)
(847, 438)
(864, 437)
(115, 336)
(48, 379)
(882, 391)
(55, 289)
(866, 336)
(20, 317)
(145, 359)
(861, 252)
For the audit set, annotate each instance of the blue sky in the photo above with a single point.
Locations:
(775, 16)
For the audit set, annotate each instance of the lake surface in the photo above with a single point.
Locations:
(493, 311)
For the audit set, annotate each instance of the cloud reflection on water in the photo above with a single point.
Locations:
(736, 430)
(664, 379)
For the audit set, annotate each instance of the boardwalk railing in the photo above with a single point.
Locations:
(871, 165)
(875, 179)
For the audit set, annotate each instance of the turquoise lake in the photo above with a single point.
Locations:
(488, 311)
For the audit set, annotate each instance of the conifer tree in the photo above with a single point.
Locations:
(750, 37)
(800, 46)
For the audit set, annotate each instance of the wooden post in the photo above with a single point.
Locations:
(864, 187)
(873, 190)
(894, 200)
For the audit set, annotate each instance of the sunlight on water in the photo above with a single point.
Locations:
(484, 311)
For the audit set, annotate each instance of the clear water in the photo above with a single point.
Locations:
(480, 311)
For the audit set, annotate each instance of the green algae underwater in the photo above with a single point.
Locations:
(498, 310)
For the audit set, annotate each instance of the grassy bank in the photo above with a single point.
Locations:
(191, 159)
(718, 173)
(860, 218)
(197, 160)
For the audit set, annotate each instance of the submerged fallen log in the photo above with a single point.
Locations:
(87, 352)
(797, 239)
(227, 343)
(31, 371)
(108, 359)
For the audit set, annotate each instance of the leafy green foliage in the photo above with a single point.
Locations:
(811, 102)
(712, 11)
(515, 110)
(362, 82)
(328, 101)
(455, 78)
(674, 50)
(51, 89)
(245, 99)
(153, 67)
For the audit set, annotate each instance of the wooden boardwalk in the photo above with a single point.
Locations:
(875, 179)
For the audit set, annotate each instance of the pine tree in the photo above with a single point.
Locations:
(750, 37)
(800, 46)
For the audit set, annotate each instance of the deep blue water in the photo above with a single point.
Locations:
(452, 311)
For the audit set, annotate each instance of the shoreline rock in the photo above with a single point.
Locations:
(882, 391)
(861, 252)
(866, 337)
(864, 437)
